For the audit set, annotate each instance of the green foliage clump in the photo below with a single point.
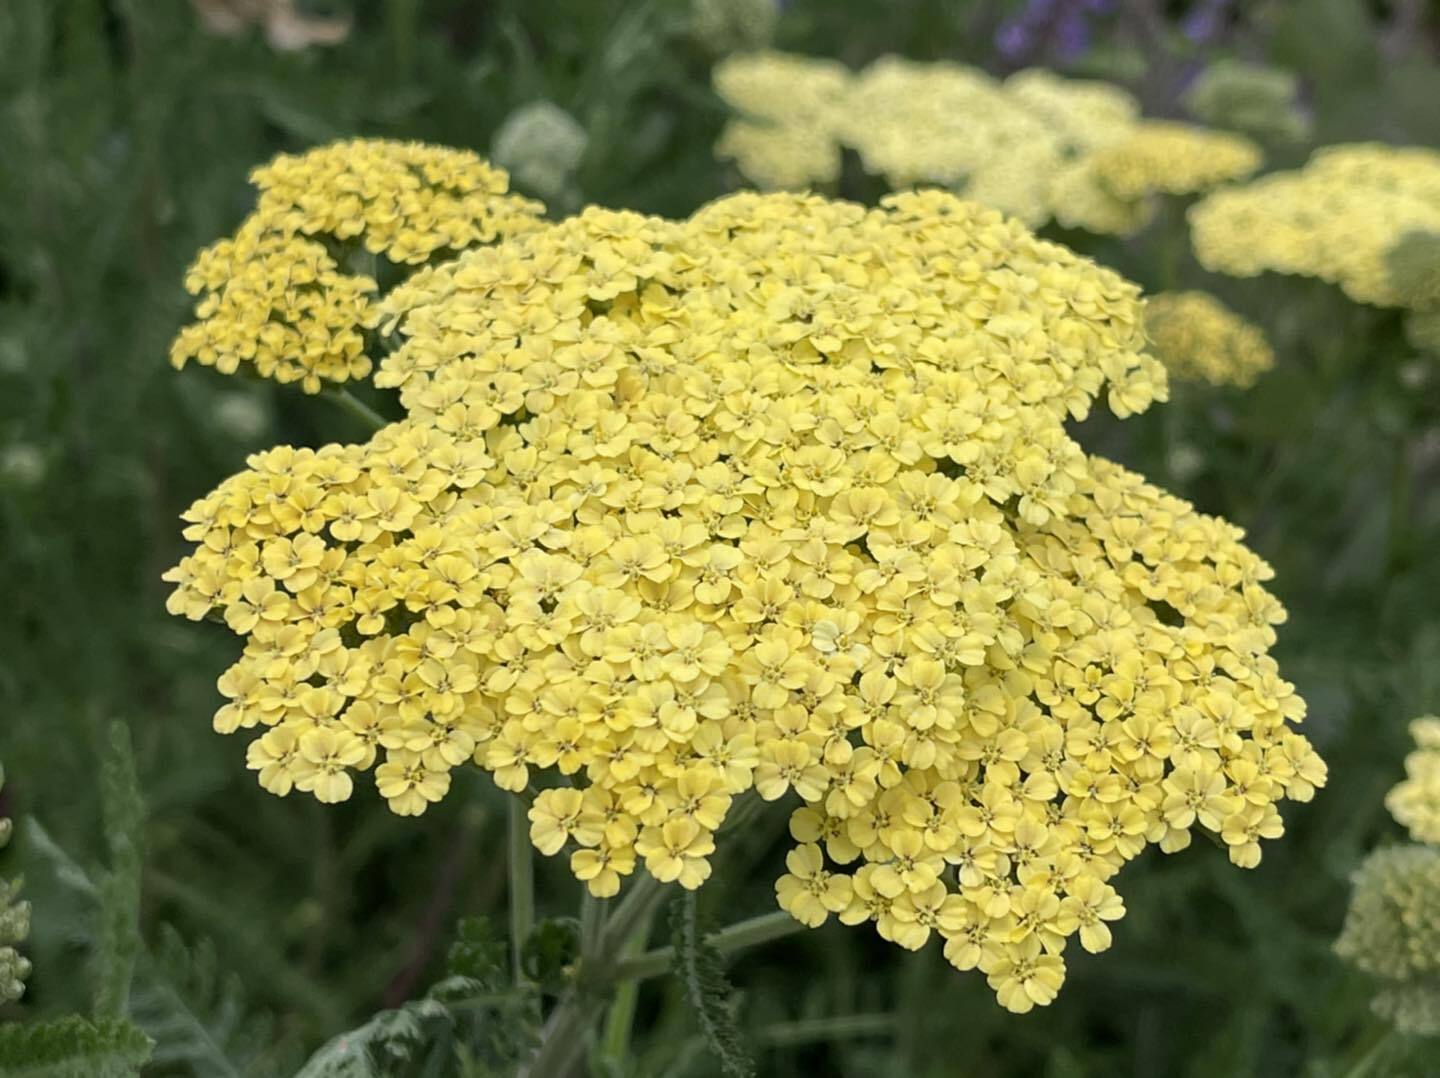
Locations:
(1253, 98)
(1414, 265)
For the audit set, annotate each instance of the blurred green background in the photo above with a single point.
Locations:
(127, 128)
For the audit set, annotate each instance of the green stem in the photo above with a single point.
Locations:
(357, 408)
(522, 884)
(592, 926)
(637, 906)
(620, 1022)
(1399, 507)
(811, 1030)
(562, 1041)
(748, 933)
(1372, 1055)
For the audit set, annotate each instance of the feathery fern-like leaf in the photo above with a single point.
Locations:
(71, 1047)
(702, 971)
(197, 1014)
(119, 930)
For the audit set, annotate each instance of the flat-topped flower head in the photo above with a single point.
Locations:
(1199, 338)
(779, 498)
(1036, 145)
(1392, 932)
(282, 297)
(1173, 158)
(1339, 218)
(1415, 802)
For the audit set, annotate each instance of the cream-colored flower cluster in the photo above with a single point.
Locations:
(1338, 219)
(14, 927)
(1037, 146)
(790, 107)
(777, 498)
(279, 295)
(1392, 932)
(1392, 928)
(1199, 338)
(1415, 803)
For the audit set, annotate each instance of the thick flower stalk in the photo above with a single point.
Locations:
(1415, 803)
(282, 296)
(776, 498)
(1198, 338)
(1340, 218)
(1036, 146)
(14, 926)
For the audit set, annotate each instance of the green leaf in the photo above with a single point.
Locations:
(119, 935)
(479, 953)
(551, 952)
(198, 1015)
(702, 971)
(379, 1048)
(72, 1048)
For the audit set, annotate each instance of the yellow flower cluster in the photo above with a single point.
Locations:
(1392, 932)
(278, 294)
(1337, 219)
(1172, 158)
(1415, 803)
(1035, 145)
(776, 498)
(789, 109)
(14, 927)
(1197, 337)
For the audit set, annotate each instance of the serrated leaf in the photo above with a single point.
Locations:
(73, 1048)
(702, 971)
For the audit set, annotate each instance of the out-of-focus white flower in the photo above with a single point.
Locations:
(540, 144)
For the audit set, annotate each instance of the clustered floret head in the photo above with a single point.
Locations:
(14, 926)
(789, 108)
(778, 498)
(1339, 219)
(1198, 338)
(1035, 145)
(1415, 803)
(1392, 932)
(283, 297)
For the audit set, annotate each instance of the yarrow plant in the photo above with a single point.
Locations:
(282, 295)
(1415, 803)
(1036, 146)
(14, 926)
(1392, 929)
(777, 498)
(1199, 338)
(1364, 216)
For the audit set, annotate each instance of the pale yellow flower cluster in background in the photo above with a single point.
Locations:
(1199, 338)
(1392, 932)
(280, 296)
(1337, 218)
(790, 106)
(1392, 928)
(1035, 145)
(1415, 803)
(776, 498)
(14, 926)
